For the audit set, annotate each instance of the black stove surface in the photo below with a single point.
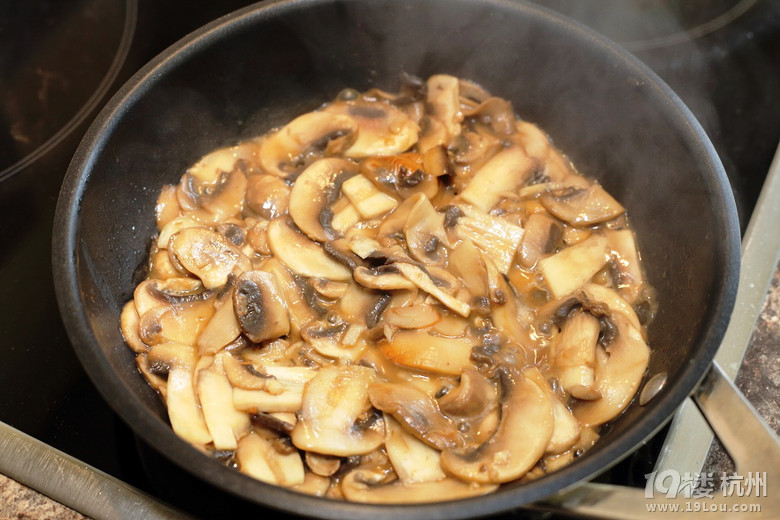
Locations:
(60, 61)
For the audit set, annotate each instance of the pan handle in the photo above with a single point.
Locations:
(750, 442)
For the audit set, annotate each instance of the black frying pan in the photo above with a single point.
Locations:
(255, 69)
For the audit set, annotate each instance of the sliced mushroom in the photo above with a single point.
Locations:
(443, 99)
(598, 293)
(259, 306)
(503, 173)
(423, 281)
(215, 393)
(474, 395)
(300, 311)
(625, 259)
(323, 465)
(161, 267)
(400, 175)
(418, 412)
(282, 393)
(369, 487)
(412, 459)
(519, 442)
(332, 402)
(619, 371)
(128, 323)
(174, 226)
(418, 316)
(573, 355)
(542, 237)
(313, 484)
(267, 195)
(281, 152)
(302, 255)
(495, 236)
(496, 113)
(436, 162)
(313, 194)
(330, 339)
(208, 255)
(178, 323)
(259, 457)
(385, 278)
(222, 329)
(425, 236)
(382, 128)
(581, 207)
(424, 351)
(167, 207)
(215, 199)
(369, 201)
(243, 375)
(570, 268)
(566, 427)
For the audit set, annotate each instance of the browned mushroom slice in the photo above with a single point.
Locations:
(423, 281)
(474, 395)
(128, 323)
(172, 291)
(569, 269)
(573, 355)
(281, 151)
(161, 267)
(495, 236)
(542, 237)
(436, 162)
(619, 372)
(262, 458)
(418, 412)
(302, 255)
(208, 255)
(520, 440)
(215, 393)
(424, 351)
(259, 306)
(496, 113)
(425, 236)
(382, 128)
(174, 226)
(313, 194)
(581, 207)
(503, 173)
(412, 459)
(332, 402)
(400, 175)
(566, 429)
(267, 195)
(370, 487)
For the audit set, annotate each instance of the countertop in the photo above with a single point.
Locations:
(758, 379)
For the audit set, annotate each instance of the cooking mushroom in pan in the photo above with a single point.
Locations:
(395, 298)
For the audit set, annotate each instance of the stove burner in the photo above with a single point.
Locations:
(58, 60)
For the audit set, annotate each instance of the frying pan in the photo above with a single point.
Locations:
(259, 67)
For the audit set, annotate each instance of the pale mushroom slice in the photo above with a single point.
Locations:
(368, 200)
(167, 207)
(370, 487)
(269, 460)
(302, 255)
(416, 316)
(443, 97)
(323, 465)
(382, 128)
(519, 442)
(208, 255)
(332, 402)
(223, 327)
(474, 396)
(425, 351)
(619, 371)
(418, 412)
(177, 323)
(282, 392)
(500, 175)
(412, 459)
(543, 236)
(384, 277)
(566, 428)
(599, 293)
(213, 201)
(281, 152)
(425, 235)
(226, 424)
(300, 311)
(627, 268)
(172, 291)
(315, 191)
(423, 281)
(495, 236)
(174, 226)
(569, 269)
(573, 355)
(259, 306)
(581, 207)
(184, 410)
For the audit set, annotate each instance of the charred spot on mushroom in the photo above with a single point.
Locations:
(397, 297)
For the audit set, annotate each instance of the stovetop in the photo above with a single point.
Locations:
(61, 60)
